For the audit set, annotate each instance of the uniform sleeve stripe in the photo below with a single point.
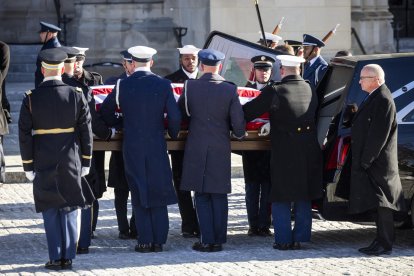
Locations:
(87, 156)
(27, 161)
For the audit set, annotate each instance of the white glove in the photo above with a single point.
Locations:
(264, 130)
(113, 132)
(85, 171)
(30, 175)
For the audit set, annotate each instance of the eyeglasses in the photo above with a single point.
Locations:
(366, 77)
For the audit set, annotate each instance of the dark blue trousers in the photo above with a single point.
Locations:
(212, 212)
(281, 213)
(257, 204)
(86, 228)
(152, 224)
(61, 227)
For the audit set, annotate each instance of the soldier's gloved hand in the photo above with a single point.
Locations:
(30, 175)
(264, 130)
(85, 171)
(113, 130)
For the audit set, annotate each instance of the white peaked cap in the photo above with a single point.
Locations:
(292, 61)
(189, 50)
(142, 53)
(81, 50)
(270, 36)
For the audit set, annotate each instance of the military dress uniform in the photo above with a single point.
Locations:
(116, 175)
(55, 142)
(296, 158)
(256, 170)
(189, 224)
(50, 44)
(143, 98)
(314, 69)
(214, 109)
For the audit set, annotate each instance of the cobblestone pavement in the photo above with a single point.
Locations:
(333, 250)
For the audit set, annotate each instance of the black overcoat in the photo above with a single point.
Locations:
(56, 159)
(143, 99)
(296, 161)
(215, 110)
(374, 175)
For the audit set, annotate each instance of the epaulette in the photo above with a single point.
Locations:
(28, 92)
(78, 89)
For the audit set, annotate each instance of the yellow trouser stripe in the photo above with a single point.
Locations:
(53, 131)
(27, 161)
(87, 156)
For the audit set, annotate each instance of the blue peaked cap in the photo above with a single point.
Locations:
(309, 40)
(47, 27)
(210, 57)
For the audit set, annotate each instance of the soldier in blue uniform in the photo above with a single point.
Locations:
(256, 164)
(188, 70)
(315, 66)
(100, 130)
(48, 36)
(116, 176)
(143, 98)
(56, 148)
(213, 107)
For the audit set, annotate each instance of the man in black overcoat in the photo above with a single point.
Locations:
(56, 147)
(375, 182)
(48, 36)
(256, 164)
(5, 117)
(214, 109)
(296, 158)
(188, 70)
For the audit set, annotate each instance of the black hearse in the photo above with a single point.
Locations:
(339, 87)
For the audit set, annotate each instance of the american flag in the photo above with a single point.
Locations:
(246, 94)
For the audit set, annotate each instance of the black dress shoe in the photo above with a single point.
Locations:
(202, 247)
(264, 232)
(369, 247)
(189, 235)
(54, 265)
(124, 236)
(66, 264)
(377, 250)
(252, 232)
(216, 247)
(82, 250)
(295, 246)
(143, 248)
(156, 247)
(281, 246)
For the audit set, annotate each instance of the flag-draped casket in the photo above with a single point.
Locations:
(245, 95)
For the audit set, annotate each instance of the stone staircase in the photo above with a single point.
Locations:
(23, 62)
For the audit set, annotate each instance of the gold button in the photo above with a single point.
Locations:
(299, 129)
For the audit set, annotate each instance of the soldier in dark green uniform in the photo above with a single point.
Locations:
(56, 148)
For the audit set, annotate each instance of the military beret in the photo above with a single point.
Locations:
(210, 57)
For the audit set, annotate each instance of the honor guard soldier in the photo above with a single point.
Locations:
(100, 129)
(213, 108)
(56, 148)
(144, 97)
(296, 161)
(48, 36)
(85, 77)
(116, 176)
(188, 70)
(256, 163)
(315, 66)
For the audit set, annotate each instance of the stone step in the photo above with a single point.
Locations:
(23, 62)
(20, 77)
